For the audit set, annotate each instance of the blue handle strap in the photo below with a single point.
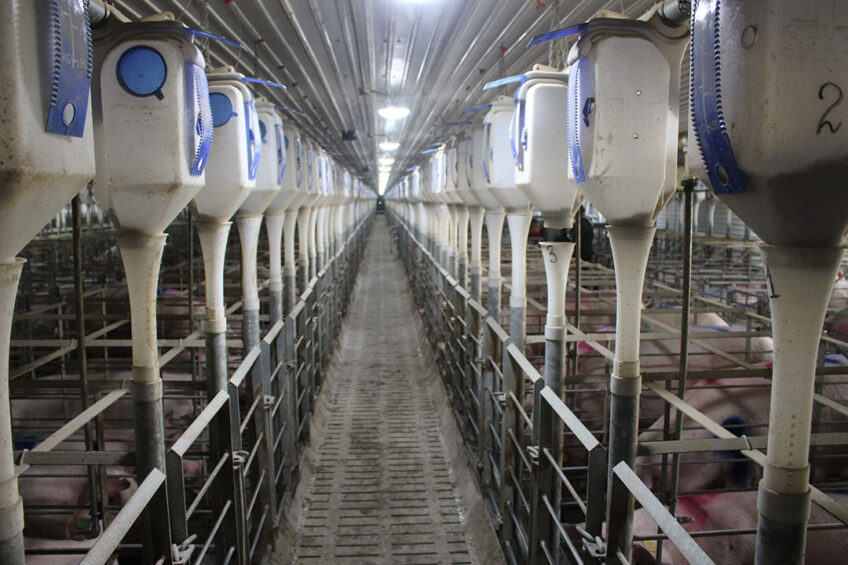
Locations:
(477, 108)
(575, 92)
(556, 34)
(281, 153)
(198, 99)
(218, 38)
(504, 81)
(705, 103)
(265, 82)
(289, 110)
(253, 148)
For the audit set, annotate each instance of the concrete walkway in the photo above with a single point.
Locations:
(386, 478)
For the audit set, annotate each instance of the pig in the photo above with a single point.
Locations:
(67, 486)
(664, 355)
(733, 510)
(743, 411)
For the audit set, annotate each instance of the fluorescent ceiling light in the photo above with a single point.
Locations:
(393, 112)
(385, 160)
(389, 145)
(381, 185)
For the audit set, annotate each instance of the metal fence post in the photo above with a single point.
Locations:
(544, 481)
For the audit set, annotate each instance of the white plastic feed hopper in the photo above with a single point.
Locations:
(231, 175)
(269, 177)
(773, 148)
(47, 158)
(624, 82)
(152, 136)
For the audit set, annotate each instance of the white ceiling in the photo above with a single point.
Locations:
(344, 59)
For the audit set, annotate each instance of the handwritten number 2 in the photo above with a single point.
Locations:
(823, 121)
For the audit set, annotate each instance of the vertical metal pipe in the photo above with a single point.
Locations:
(686, 299)
(79, 304)
(191, 290)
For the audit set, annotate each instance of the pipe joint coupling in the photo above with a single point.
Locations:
(554, 332)
(782, 507)
(625, 386)
(786, 480)
(216, 326)
(150, 391)
(626, 369)
(12, 516)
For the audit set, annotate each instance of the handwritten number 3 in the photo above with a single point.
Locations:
(823, 122)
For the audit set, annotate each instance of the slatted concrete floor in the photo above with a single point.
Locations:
(386, 478)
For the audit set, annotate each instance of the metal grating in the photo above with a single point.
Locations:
(383, 490)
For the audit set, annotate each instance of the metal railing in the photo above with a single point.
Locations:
(232, 471)
(516, 443)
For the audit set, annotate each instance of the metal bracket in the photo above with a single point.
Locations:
(500, 398)
(181, 554)
(239, 457)
(533, 452)
(268, 400)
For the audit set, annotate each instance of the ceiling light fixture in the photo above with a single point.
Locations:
(393, 112)
(389, 145)
(385, 160)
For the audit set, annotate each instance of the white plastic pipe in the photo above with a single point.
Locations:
(213, 244)
(303, 242)
(630, 249)
(249, 228)
(312, 234)
(494, 229)
(274, 229)
(462, 217)
(288, 241)
(800, 284)
(321, 236)
(11, 505)
(475, 217)
(519, 230)
(142, 255)
(557, 258)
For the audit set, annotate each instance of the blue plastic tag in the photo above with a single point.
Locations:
(67, 64)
